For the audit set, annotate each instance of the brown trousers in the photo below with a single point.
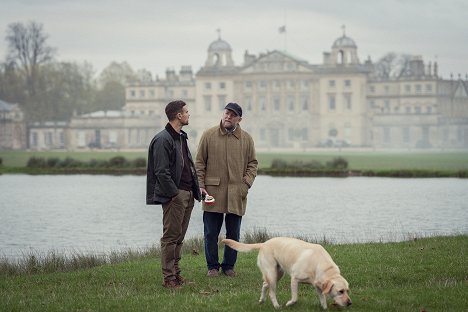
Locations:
(176, 217)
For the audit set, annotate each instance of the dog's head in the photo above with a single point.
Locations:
(337, 289)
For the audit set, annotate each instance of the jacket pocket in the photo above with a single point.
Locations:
(212, 181)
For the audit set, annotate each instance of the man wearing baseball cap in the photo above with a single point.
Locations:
(226, 165)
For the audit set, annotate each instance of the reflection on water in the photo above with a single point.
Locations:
(100, 213)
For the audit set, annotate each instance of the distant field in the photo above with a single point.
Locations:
(357, 160)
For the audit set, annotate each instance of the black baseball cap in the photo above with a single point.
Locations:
(235, 108)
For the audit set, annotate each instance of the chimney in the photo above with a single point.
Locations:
(186, 73)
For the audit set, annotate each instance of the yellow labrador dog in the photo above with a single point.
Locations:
(304, 262)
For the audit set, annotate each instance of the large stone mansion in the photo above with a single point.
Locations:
(288, 103)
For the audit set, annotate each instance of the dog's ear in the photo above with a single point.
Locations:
(326, 287)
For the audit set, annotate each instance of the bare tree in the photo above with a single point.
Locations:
(392, 65)
(27, 50)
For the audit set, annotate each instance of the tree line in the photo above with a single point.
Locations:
(48, 89)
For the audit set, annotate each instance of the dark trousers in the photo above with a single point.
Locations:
(176, 217)
(212, 223)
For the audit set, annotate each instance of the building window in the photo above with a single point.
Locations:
(387, 106)
(347, 83)
(261, 103)
(417, 110)
(263, 84)
(347, 132)
(132, 93)
(207, 102)
(331, 102)
(408, 109)
(207, 85)
(222, 85)
(184, 93)
(276, 103)
(248, 103)
(305, 102)
(221, 102)
(34, 139)
(429, 110)
(408, 88)
(331, 83)
(347, 101)
(372, 89)
(142, 93)
(406, 134)
(291, 103)
(418, 89)
(277, 84)
(248, 85)
(387, 89)
(428, 88)
(151, 93)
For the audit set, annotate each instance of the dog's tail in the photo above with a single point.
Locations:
(240, 246)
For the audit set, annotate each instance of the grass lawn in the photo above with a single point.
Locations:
(357, 160)
(427, 274)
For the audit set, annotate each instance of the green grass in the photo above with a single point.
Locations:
(427, 160)
(427, 274)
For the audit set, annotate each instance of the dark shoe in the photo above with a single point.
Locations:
(213, 273)
(230, 273)
(180, 280)
(172, 284)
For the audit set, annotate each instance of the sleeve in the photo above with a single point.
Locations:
(252, 164)
(162, 155)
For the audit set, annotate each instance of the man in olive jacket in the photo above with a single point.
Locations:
(171, 181)
(226, 166)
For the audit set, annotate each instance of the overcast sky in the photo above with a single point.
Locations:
(155, 35)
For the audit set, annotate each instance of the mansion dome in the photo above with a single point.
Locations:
(344, 42)
(219, 45)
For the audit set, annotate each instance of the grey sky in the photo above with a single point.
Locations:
(158, 34)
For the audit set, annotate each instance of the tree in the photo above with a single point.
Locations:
(392, 65)
(28, 51)
(117, 72)
(110, 97)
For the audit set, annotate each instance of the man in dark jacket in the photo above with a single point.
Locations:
(171, 181)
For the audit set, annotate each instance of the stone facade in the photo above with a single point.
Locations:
(288, 103)
(12, 128)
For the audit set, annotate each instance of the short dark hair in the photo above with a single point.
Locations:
(173, 108)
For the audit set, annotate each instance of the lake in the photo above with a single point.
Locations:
(99, 213)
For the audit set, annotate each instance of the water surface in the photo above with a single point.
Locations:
(89, 213)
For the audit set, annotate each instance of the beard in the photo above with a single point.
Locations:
(228, 125)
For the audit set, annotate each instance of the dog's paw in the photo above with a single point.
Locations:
(290, 303)
(277, 306)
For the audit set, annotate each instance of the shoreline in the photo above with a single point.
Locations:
(403, 173)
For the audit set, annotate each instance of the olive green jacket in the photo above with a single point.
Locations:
(226, 166)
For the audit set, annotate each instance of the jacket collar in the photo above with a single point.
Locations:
(236, 132)
(174, 134)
